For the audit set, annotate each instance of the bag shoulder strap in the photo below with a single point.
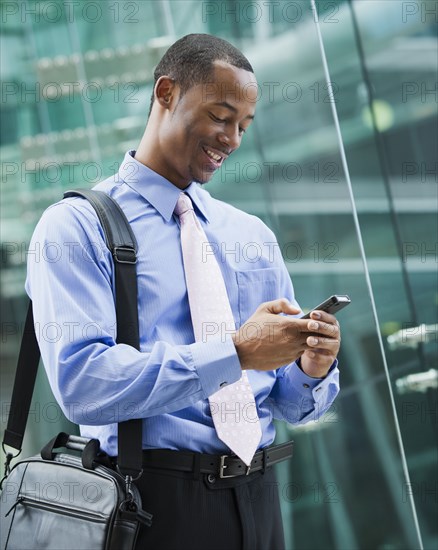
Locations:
(121, 242)
(25, 376)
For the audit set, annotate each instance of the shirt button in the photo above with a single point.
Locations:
(223, 384)
(211, 478)
(306, 386)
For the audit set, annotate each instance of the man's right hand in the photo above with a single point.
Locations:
(267, 340)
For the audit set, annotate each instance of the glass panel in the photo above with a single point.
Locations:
(399, 73)
(76, 90)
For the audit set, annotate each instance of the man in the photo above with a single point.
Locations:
(204, 100)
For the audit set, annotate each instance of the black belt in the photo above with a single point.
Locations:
(222, 465)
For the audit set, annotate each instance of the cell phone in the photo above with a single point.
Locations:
(331, 305)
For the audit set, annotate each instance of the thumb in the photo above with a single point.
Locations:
(281, 306)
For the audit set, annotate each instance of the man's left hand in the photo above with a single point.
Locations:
(324, 344)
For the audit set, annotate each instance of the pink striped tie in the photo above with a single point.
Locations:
(233, 407)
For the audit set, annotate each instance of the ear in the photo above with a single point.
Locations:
(166, 91)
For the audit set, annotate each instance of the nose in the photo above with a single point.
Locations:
(231, 138)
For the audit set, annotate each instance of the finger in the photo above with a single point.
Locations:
(326, 329)
(280, 306)
(320, 357)
(330, 344)
(319, 315)
(295, 330)
(319, 352)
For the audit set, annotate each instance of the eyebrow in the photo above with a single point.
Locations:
(230, 107)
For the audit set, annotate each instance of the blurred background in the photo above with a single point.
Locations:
(76, 84)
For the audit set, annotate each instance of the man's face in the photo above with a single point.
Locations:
(206, 125)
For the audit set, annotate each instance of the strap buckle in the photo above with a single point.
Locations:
(222, 467)
(124, 255)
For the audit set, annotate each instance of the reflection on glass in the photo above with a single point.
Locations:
(345, 487)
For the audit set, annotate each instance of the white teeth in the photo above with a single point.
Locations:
(215, 157)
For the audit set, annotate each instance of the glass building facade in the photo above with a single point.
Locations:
(341, 162)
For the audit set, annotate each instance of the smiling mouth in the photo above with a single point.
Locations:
(215, 159)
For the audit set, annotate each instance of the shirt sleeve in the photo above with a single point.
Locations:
(95, 380)
(296, 397)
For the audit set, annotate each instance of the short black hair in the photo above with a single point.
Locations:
(190, 59)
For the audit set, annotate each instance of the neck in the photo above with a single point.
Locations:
(144, 153)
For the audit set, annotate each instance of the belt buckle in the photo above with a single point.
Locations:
(222, 467)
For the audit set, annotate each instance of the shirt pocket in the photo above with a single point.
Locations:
(256, 286)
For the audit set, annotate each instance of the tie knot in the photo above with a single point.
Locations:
(183, 204)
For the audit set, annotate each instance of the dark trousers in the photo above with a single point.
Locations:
(205, 512)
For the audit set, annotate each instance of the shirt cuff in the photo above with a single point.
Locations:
(313, 388)
(216, 363)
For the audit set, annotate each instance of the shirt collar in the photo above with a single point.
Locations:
(157, 190)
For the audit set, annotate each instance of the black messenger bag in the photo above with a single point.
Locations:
(76, 501)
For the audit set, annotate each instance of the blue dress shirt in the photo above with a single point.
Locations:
(98, 382)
